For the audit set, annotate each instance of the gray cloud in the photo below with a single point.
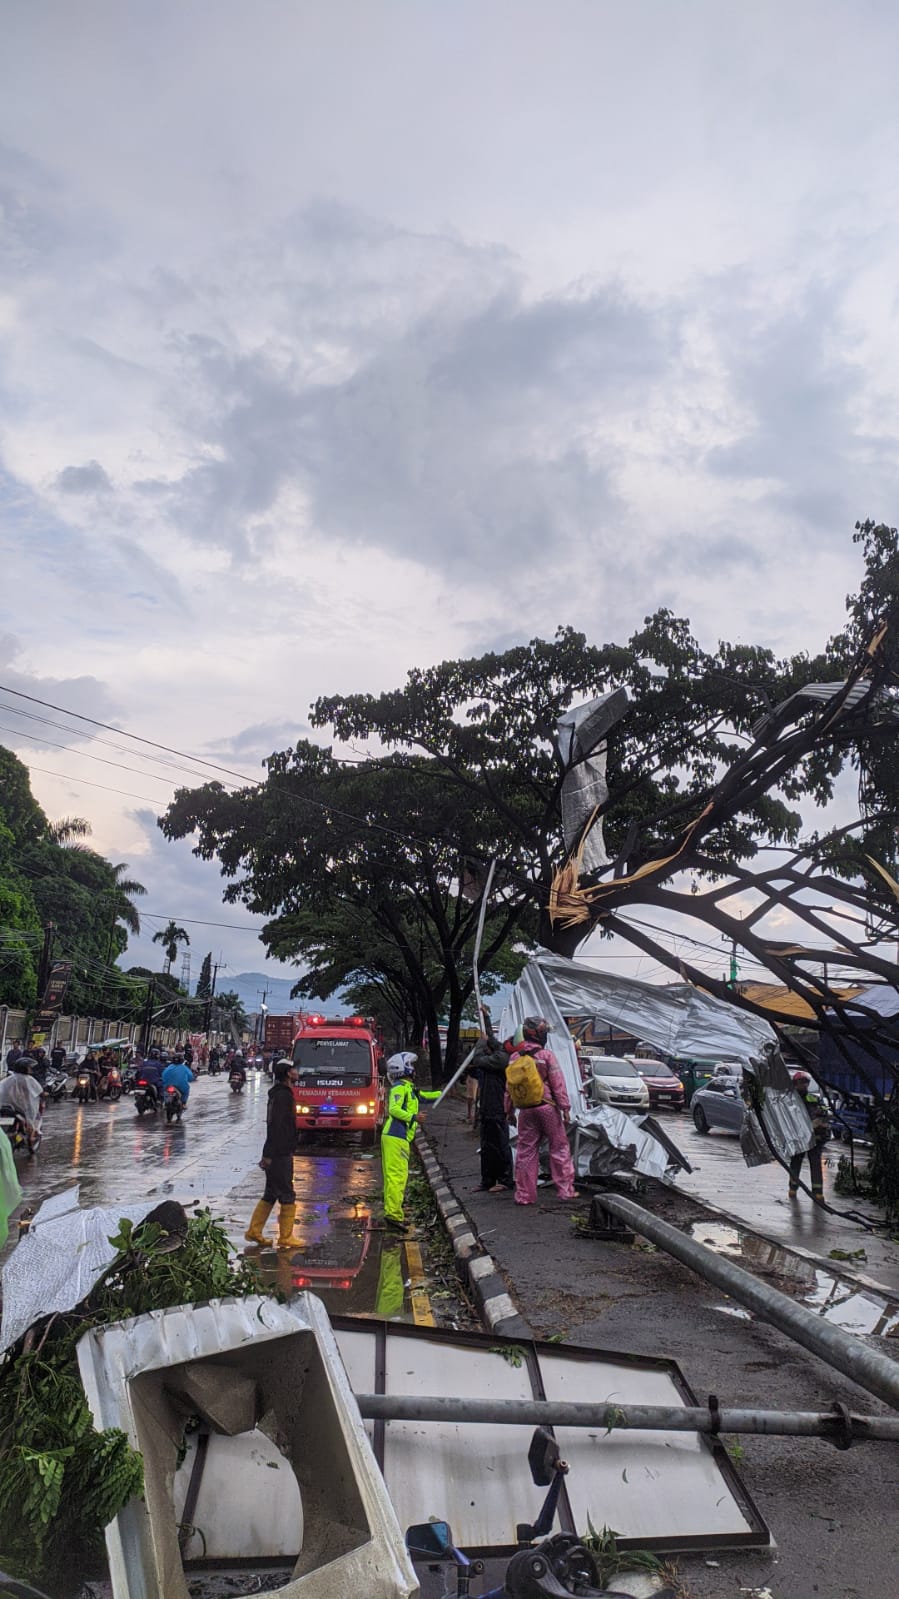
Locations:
(479, 427)
(87, 479)
(25, 721)
(797, 379)
(253, 744)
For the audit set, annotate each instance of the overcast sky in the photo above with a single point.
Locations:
(337, 339)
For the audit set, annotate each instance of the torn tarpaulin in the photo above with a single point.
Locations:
(56, 1263)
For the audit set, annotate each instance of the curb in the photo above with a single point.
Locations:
(476, 1266)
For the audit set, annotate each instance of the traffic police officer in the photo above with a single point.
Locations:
(399, 1132)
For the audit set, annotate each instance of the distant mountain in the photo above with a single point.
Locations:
(251, 986)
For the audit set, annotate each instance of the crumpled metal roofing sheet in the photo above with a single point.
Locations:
(677, 1018)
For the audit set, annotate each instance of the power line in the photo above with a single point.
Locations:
(193, 921)
(87, 756)
(64, 727)
(66, 777)
(213, 766)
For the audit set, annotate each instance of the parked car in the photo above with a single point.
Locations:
(665, 1087)
(719, 1104)
(614, 1081)
(696, 1073)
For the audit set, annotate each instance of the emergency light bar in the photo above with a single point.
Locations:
(335, 1021)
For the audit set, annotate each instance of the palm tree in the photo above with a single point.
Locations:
(68, 829)
(126, 889)
(170, 937)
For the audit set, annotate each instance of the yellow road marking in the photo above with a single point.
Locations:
(422, 1314)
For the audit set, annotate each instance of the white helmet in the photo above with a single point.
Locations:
(402, 1065)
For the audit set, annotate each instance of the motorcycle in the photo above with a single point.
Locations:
(561, 1564)
(215, 1066)
(16, 1130)
(236, 1082)
(146, 1096)
(111, 1085)
(84, 1089)
(129, 1079)
(174, 1103)
(55, 1087)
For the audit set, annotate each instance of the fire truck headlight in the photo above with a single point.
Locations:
(361, 1110)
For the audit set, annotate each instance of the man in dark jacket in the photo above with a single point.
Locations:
(820, 1135)
(277, 1159)
(490, 1064)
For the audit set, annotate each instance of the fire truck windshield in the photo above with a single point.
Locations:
(333, 1057)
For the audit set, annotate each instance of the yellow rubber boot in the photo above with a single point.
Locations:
(260, 1216)
(286, 1218)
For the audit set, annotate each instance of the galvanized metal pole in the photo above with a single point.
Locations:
(477, 986)
(876, 1373)
(838, 1425)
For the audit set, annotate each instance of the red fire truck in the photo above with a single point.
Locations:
(341, 1085)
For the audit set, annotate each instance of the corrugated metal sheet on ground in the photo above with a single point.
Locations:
(669, 1491)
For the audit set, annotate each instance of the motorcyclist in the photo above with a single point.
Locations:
(178, 1075)
(58, 1057)
(214, 1058)
(39, 1065)
(91, 1066)
(189, 1055)
(151, 1073)
(403, 1116)
(22, 1093)
(238, 1068)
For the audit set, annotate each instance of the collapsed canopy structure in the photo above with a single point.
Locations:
(676, 1020)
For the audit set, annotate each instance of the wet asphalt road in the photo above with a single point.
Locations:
(211, 1158)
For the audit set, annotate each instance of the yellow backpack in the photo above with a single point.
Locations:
(526, 1086)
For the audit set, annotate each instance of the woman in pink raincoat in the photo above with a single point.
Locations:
(548, 1120)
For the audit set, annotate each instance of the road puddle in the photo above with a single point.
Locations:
(340, 1250)
(856, 1310)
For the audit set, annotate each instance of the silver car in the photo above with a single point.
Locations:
(719, 1104)
(614, 1081)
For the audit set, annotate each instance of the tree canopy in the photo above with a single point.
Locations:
(48, 873)
(360, 861)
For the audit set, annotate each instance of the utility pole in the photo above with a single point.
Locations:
(207, 1012)
(43, 974)
(260, 1019)
(148, 1016)
(733, 977)
(46, 956)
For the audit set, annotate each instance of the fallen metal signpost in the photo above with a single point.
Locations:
(876, 1373)
(839, 1425)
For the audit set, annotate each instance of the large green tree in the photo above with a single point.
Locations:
(49, 874)
(359, 868)
(204, 981)
(466, 768)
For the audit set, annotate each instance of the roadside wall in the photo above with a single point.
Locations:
(75, 1031)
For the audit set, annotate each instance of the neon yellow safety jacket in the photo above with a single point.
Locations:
(402, 1109)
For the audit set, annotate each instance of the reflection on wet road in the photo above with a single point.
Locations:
(340, 1249)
